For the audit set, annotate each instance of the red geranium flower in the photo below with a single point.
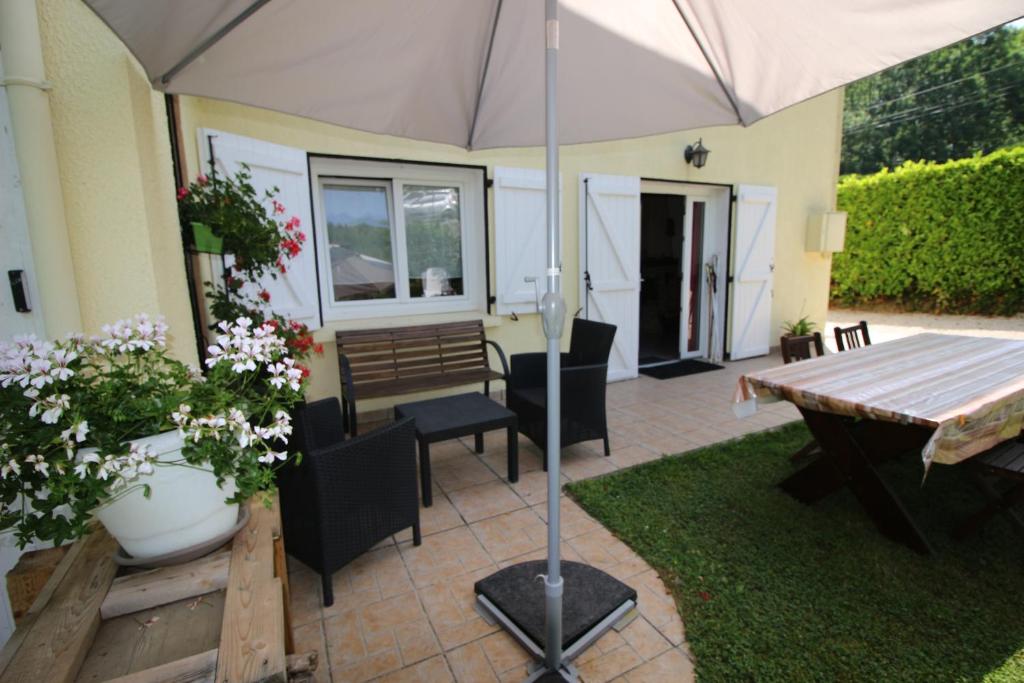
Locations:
(265, 295)
(182, 193)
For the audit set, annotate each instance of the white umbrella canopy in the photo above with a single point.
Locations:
(470, 72)
(484, 73)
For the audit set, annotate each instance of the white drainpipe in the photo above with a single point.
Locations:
(32, 131)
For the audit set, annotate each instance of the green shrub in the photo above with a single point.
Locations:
(942, 237)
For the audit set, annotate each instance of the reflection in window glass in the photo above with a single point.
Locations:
(359, 232)
(433, 236)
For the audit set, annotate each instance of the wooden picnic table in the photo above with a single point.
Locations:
(949, 397)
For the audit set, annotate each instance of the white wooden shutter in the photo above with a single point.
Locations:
(610, 253)
(751, 300)
(293, 294)
(520, 236)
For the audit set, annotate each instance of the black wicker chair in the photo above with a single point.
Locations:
(584, 376)
(346, 495)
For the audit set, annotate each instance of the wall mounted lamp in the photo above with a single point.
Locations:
(697, 154)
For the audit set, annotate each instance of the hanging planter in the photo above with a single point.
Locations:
(205, 241)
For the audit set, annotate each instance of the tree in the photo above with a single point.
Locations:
(949, 104)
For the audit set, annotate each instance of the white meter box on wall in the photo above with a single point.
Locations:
(826, 232)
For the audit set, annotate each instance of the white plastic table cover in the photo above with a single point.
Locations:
(969, 389)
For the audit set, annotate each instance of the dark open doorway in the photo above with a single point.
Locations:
(662, 219)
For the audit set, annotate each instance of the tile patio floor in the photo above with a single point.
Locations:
(405, 613)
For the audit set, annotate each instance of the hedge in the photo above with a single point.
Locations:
(942, 237)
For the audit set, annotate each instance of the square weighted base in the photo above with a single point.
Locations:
(592, 603)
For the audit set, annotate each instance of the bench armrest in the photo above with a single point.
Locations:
(501, 356)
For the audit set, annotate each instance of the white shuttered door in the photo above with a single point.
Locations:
(520, 234)
(751, 300)
(294, 294)
(610, 254)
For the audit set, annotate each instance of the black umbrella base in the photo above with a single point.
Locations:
(592, 603)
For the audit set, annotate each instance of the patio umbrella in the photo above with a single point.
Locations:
(470, 73)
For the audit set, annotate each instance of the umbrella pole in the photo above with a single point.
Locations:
(553, 317)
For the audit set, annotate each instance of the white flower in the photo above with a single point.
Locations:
(10, 466)
(79, 430)
(40, 465)
(269, 457)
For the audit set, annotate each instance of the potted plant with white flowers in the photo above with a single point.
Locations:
(111, 427)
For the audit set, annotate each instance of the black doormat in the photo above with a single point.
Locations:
(679, 369)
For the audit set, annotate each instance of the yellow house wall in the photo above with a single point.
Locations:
(796, 150)
(110, 130)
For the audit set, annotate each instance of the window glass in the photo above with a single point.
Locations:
(433, 237)
(359, 229)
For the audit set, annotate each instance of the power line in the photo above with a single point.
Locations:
(968, 77)
(925, 112)
(930, 106)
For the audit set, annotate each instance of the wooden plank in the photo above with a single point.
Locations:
(137, 592)
(252, 632)
(200, 668)
(281, 572)
(60, 636)
(414, 384)
(25, 625)
(142, 640)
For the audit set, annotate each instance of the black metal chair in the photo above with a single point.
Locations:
(584, 372)
(853, 337)
(346, 495)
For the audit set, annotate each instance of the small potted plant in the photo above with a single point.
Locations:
(112, 427)
(798, 328)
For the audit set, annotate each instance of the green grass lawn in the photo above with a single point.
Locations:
(773, 590)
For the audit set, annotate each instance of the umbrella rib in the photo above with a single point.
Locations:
(200, 49)
(483, 76)
(711, 63)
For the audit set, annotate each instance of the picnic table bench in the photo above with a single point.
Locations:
(394, 361)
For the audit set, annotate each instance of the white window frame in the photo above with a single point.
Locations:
(470, 183)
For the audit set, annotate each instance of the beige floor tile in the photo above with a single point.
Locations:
(447, 554)
(646, 640)
(631, 455)
(433, 670)
(504, 653)
(458, 473)
(608, 666)
(511, 534)
(485, 500)
(529, 459)
(671, 666)
(532, 487)
(470, 664)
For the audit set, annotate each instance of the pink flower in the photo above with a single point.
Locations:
(202, 179)
(300, 236)
(278, 207)
(293, 223)
(182, 193)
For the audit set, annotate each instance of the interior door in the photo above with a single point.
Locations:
(610, 263)
(753, 266)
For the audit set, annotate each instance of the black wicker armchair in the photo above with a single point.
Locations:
(346, 495)
(584, 377)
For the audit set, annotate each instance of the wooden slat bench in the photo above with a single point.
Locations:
(406, 360)
(1005, 461)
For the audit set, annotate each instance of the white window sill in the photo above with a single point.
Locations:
(326, 333)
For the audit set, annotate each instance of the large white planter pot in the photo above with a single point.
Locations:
(185, 506)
